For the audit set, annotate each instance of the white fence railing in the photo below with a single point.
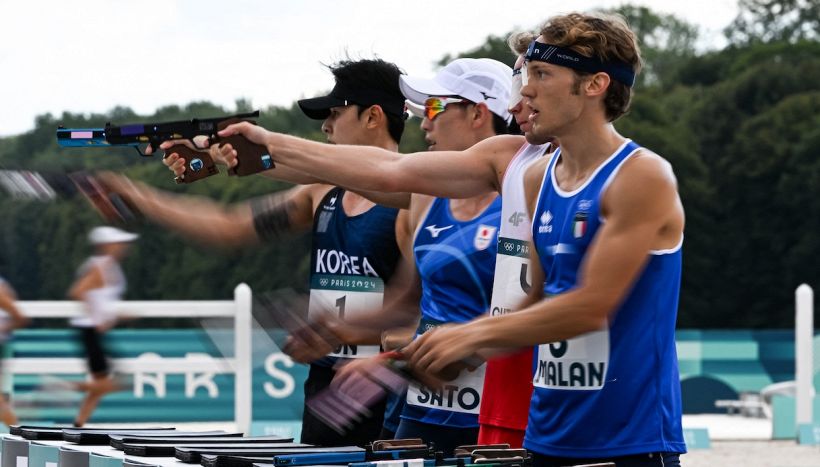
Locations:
(804, 353)
(240, 365)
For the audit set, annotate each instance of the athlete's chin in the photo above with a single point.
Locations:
(537, 136)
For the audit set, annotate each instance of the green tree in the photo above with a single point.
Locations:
(666, 41)
(775, 20)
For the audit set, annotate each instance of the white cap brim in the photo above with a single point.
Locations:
(105, 234)
(415, 110)
(417, 90)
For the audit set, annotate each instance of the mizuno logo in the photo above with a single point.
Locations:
(333, 201)
(434, 231)
(486, 97)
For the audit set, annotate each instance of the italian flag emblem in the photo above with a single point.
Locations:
(579, 225)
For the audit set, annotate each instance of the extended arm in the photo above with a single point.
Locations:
(225, 154)
(215, 224)
(452, 174)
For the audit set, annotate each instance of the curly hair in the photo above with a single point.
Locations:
(520, 41)
(604, 36)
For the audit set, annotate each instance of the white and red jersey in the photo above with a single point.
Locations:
(508, 380)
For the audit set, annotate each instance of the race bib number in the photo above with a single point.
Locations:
(513, 278)
(576, 364)
(462, 395)
(345, 296)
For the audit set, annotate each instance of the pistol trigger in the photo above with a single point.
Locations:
(213, 139)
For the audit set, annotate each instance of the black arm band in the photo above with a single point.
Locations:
(270, 216)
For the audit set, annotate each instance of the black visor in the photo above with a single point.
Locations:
(318, 108)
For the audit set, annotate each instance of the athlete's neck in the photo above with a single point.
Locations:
(470, 208)
(583, 151)
(384, 141)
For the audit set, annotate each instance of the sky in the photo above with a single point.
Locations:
(89, 56)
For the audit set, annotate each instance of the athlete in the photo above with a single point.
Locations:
(505, 400)
(15, 320)
(452, 241)
(100, 284)
(354, 251)
(455, 240)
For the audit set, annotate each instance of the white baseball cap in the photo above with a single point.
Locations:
(475, 79)
(106, 234)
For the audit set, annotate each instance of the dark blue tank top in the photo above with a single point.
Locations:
(615, 391)
(351, 259)
(456, 263)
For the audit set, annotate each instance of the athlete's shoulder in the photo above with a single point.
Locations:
(533, 178)
(504, 144)
(646, 166)
(644, 184)
(315, 192)
(419, 205)
(535, 172)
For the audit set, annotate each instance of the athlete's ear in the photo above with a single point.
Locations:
(597, 84)
(374, 117)
(480, 114)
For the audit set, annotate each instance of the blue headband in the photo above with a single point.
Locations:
(619, 71)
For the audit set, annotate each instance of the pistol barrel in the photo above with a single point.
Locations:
(81, 137)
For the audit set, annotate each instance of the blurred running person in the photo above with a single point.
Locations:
(100, 285)
(14, 320)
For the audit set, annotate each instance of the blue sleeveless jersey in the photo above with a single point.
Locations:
(456, 262)
(615, 391)
(351, 259)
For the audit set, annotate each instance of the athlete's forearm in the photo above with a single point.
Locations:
(198, 218)
(556, 319)
(355, 167)
(452, 174)
(288, 174)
